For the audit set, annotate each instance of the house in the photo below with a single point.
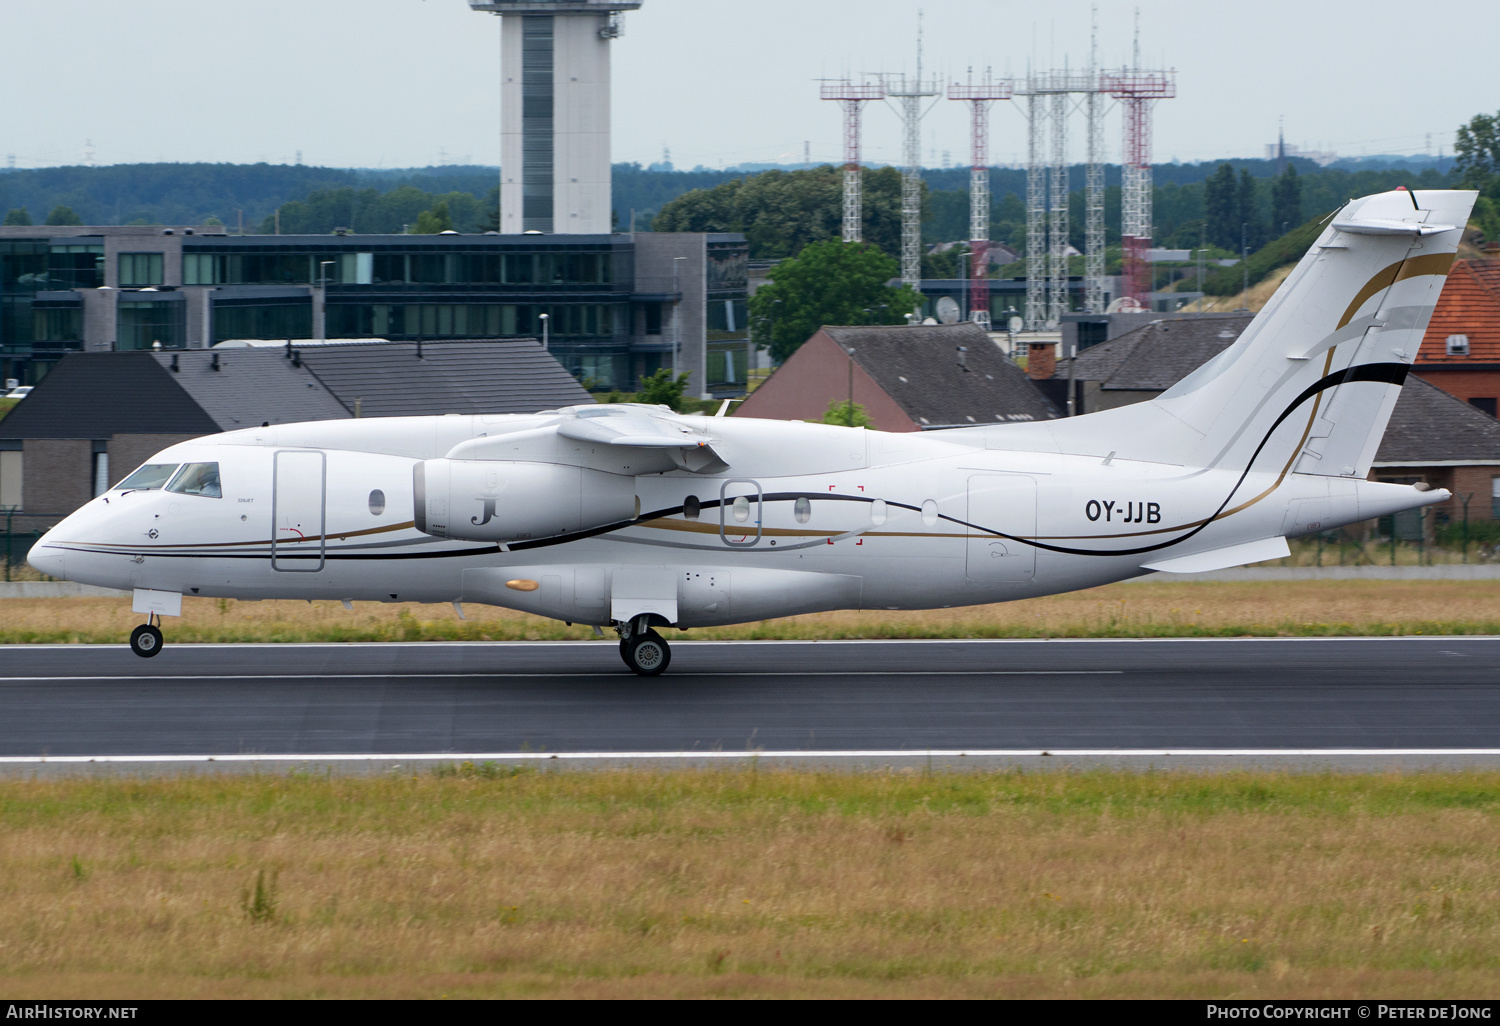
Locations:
(1143, 363)
(906, 378)
(97, 416)
(1461, 351)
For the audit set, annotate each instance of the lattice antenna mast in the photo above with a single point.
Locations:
(1094, 300)
(1137, 90)
(852, 98)
(1036, 213)
(1048, 99)
(911, 92)
(980, 96)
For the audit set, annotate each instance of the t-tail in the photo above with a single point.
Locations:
(1308, 388)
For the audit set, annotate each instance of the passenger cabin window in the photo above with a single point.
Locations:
(691, 507)
(741, 509)
(377, 502)
(148, 477)
(198, 479)
(802, 510)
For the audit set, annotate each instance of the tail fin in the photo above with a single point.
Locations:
(1309, 386)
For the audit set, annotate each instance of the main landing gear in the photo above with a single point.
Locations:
(644, 651)
(145, 640)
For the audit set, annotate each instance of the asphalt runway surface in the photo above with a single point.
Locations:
(1434, 695)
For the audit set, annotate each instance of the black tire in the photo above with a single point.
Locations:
(647, 654)
(145, 641)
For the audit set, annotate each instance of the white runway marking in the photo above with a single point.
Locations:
(622, 674)
(221, 646)
(952, 753)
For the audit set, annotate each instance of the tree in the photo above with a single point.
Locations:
(1250, 229)
(1286, 202)
(17, 216)
(780, 212)
(845, 413)
(831, 282)
(1479, 164)
(431, 222)
(62, 215)
(1478, 150)
(1220, 209)
(661, 389)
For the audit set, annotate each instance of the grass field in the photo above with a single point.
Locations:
(757, 883)
(1147, 609)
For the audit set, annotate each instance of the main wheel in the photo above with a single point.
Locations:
(145, 640)
(647, 654)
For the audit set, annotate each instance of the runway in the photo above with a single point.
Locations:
(1372, 696)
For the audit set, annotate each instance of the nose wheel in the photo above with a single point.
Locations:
(644, 651)
(146, 640)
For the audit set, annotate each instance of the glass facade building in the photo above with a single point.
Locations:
(144, 288)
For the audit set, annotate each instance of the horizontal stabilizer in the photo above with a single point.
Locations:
(1383, 226)
(1221, 559)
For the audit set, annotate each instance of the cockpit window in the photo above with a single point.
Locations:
(197, 479)
(152, 475)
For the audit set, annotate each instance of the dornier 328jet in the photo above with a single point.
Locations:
(635, 518)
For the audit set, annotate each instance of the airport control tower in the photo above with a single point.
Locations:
(554, 113)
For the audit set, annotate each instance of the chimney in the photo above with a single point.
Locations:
(1041, 362)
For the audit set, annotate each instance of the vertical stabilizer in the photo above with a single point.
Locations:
(1309, 386)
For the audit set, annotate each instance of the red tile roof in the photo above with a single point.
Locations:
(1469, 305)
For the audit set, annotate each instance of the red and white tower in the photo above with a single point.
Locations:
(1137, 90)
(851, 98)
(980, 96)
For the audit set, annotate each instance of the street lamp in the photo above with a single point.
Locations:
(546, 320)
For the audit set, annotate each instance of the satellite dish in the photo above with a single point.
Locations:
(1015, 324)
(948, 311)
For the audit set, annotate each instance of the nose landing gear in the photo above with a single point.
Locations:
(644, 651)
(146, 640)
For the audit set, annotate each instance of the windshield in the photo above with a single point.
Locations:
(197, 479)
(152, 475)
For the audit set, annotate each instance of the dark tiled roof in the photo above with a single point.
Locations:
(1155, 356)
(96, 395)
(918, 368)
(389, 380)
(251, 387)
(1429, 425)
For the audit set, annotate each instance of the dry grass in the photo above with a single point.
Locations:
(1254, 300)
(1148, 609)
(487, 882)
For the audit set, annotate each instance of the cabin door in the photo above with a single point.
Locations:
(298, 511)
(1003, 503)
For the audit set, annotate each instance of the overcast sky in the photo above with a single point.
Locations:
(400, 83)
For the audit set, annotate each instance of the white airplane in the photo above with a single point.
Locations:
(635, 518)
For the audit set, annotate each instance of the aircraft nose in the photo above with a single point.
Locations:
(51, 560)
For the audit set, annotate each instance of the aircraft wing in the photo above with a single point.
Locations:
(639, 439)
(637, 429)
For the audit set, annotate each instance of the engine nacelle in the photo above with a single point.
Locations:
(508, 501)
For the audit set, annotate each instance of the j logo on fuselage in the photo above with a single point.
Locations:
(489, 513)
